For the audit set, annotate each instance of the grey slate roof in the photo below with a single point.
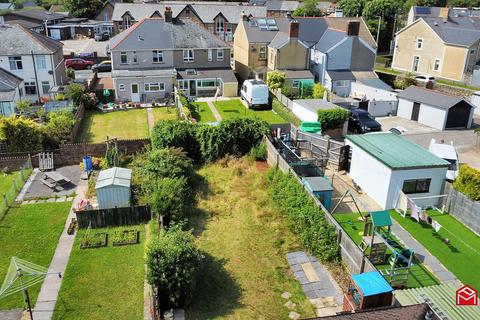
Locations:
(278, 5)
(155, 33)
(430, 97)
(461, 31)
(315, 104)
(225, 74)
(207, 11)
(329, 39)
(298, 74)
(413, 312)
(25, 23)
(340, 75)
(280, 39)
(255, 35)
(40, 15)
(19, 40)
(8, 83)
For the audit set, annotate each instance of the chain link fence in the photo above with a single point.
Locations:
(8, 198)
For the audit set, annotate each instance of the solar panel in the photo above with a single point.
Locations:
(423, 10)
(261, 21)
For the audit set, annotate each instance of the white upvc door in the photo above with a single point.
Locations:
(135, 94)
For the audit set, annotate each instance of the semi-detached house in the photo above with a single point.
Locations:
(156, 54)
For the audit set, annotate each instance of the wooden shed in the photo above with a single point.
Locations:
(113, 188)
(368, 290)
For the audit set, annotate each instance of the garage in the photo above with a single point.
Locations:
(435, 109)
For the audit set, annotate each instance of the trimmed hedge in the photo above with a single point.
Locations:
(332, 118)
(468, 182)
(306, 218)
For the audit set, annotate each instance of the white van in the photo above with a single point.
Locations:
(446, 152)
(255, 92)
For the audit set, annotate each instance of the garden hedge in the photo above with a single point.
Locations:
(468, 182)
(332, 118)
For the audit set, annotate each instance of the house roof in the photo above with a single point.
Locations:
(155, 33)
(114, 177)
(341, 23)
(298, 74)
(340, 75)
(430, 97)
(371, 283)
(206, 11)
(330, 38)
(413, 312)
(8, 81)
(316, 104)
(441, 296)
(396, 152)
(278, 5)
(255, 35)
(25, 23)
(225, 74)
(40, 15)
(16, 39)
(460, 31)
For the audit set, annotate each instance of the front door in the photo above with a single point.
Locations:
(135, 96)
(193, 88)
(415, 111)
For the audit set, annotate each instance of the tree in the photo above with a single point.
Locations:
(463, 3)
(173, 261)
(82, 8)
(332, 118)
(75, 92)
(309, 8)
(275, 80)
(168, 199)
(59, 127)
(381, 8)
(174, 133)
(318, 91)
(20, 134)
(352, 8)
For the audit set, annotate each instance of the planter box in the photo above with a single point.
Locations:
(102, 243)
(135, 239)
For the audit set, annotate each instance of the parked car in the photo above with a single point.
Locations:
(104, 36)
(104, 66)
(78, 64)
(360, 121)
(425, 78)
(446, 152)
(255, 92)
(398, 130)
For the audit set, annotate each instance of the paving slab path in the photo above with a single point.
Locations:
(48, 295)
(422, 254)
(150, 119)
(216, 114)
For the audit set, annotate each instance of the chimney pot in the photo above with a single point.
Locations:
(294, 29)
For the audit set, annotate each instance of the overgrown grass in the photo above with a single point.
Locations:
(419, 276)
(30, 232)
(461, 255)
(235, 108)
(165, 113)
(285, 113)
(103, 283)
(244, 241)
(204, 113)
(96, 126)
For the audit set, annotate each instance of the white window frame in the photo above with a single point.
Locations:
(41, 62)
(187, 57)
(121, 87)
(30, 84)
(262, 53)
(295, 84)
(123, 54)
(418, 41)
(210, 54)
(413, 63)
(220, 55)
(160, 85)
(16, 62)
(127, 21)
(158, 54)
(44, 84)
(436, 67)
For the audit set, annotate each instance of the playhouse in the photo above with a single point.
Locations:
(367, 290)
(321, 188)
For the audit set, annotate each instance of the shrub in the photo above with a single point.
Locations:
(318, 91)
(284, 112)
(287, 91)
(332, 118)
(70, 73)
(173, 261)
(20, 134)
(167, 162)
(468, 182)
(23, 105)
(174, 133)
(168, 199)
(59, 127)
(306, 218)
(275, 79)
(75, 92)
(403, 82)
(259, 152)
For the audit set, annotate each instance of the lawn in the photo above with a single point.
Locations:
(419, 275)
(103, 283)
(204, 113)
(6, 181)
(461, 255)
(244, 241)
(30, 232)
(165, 113)
(96, 126)
(235, 108)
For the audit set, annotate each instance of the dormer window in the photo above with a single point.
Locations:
(191, 72)
(127, 22)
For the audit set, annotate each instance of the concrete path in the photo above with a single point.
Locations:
(317, 284)
(150, 119)
(216, 114)
(51, 285)
(422, 254)
(27, 185)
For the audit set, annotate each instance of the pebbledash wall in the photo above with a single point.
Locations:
(466, 210)
(72, 154)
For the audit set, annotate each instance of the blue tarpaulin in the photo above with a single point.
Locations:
(371, 283)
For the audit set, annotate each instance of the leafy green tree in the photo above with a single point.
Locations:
(403, 82)
(468, 182)
(318, 91)
(463, 3)
(168, 199)
(173, 261)
(275, 79)
(308, 8)
(82, 8)
(332, 118)
(59, 127)
(352, 8)
(20, 134)
(381, 8)
(178, 134)
(75, 92)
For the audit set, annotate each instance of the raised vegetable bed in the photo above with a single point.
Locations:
(126, 237)
(96, 240)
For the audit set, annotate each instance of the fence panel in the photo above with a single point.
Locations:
(463, 208)
(113, 217)
(8, 198)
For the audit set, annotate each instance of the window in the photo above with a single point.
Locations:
(436, 65)
(416, 186)
(295, 83)
(419, 44)
(157, 56)
(15, 63)
(127, 22)
(416, 62)
(45, 87)
(123, 58)
(219, 54)
(135, 59)
(121, 87)
(41, 63)
(30, 88)
(210, 55)
(183, 84)
(262, 54)
(191, 72)
(154, 87)
(188, 55)
(208, 83)
(472, 51)
(106, 16)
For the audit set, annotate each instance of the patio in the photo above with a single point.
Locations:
(37, 188)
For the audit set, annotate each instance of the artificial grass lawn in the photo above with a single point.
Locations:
(419, 275)
(461, 256)
(204, 113)
(165, 113)
(30, 232)
(234, 108)
(103, 283)
(96, 125)
(244, 240)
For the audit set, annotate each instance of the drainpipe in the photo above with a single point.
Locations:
(36, 75)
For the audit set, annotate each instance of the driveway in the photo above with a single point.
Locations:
(85, 46)
(411, 126)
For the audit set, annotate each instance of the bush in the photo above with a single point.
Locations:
(403, 82)
(259, 152)
(306, 218)
(174, 133)
(173, 261)
(275, 79)
(468, 182)
(168, 199)
(332, 118)
(59, 127)
(20, 134)
(23, 105)
(284, 112)
(318, 91)
(77, 93)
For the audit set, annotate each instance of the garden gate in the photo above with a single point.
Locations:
(45, 161)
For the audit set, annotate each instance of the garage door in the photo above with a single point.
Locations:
(458, 115)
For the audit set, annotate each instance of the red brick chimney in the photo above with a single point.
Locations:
(168, 15)
(353, 28)
(294, 29)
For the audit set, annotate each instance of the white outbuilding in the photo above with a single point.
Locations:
(306, 109)
(383, 164)
(113, 188)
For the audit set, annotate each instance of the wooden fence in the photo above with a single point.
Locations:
(113, 217)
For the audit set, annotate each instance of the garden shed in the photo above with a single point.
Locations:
(368, 290)
(113, 188)
(321, 188)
